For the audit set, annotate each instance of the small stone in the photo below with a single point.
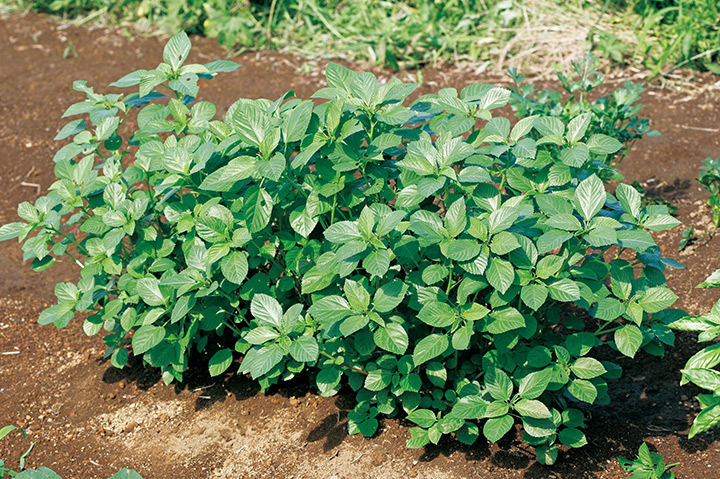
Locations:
(131, 427)
(121, 384)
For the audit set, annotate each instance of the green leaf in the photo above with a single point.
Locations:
(657, 299)
(429, 348)
(456, 218)
(437, 314)
(463, 250)
(327, 380)
(11, 230)
(705, 378)
(342, 231)
(590, 197)
(628, 339)
(587, 368)
(377, 262)
(258, 361)
(234, 267)
(422, 417)
(572, 437)
(391, 337)
(575, 156)
(75, 126)
(502, 243)
(583, 390)
(577, 127)
(146, 338)
(494, 429)
(503, 218)
(504, 320)
(603, 144)
(629, 198)
(565, 290)
(500, 274)
(266, 310)
(176, 50)
(418, 438)
(534, 384)
(225, 178)
(305, 349)
(534, 295)
(389, 296)
(330, 308)
(498, 384)
(470, 407)
(378, 380)
(532, 408)
(302, 222)
(149, 291)
(258, 207)
(126, 474)
(220, 362)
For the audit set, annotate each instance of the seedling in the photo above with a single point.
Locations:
(710, 180)
(648, 465)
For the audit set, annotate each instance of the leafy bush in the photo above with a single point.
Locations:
(439, 261)
(699, 368)
(648, 465)
(615, 115)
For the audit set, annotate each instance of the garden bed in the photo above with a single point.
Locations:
(90, 419)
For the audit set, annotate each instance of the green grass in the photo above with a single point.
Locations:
(536, 35)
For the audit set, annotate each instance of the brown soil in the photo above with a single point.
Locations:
(88, 419)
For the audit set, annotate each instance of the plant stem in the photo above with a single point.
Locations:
(358, 370)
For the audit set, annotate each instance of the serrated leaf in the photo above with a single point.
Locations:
(234, 267)
(590, 197)
(500, 274)
(429, 348)
(628, 339)
(176, 50)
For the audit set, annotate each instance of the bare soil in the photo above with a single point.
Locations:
(89, 419)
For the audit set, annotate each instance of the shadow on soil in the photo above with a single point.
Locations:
(651, 404)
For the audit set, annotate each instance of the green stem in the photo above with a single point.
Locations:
(449, 284)
(78, 245)
(332, 212)
(358, 370)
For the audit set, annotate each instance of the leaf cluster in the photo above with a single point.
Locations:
(614, 115)
(438, 260)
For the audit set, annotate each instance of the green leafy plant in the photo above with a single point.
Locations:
(687, 238)
(710, 180)
(647, 465)
(615, 115)
(699, 368)
(444, 264)
(3, 470)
